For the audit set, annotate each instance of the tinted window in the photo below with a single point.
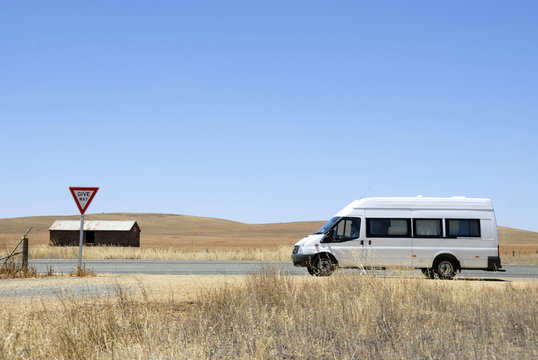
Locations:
(387, 227)
(428, 228)
(346, 229)
(463, 227)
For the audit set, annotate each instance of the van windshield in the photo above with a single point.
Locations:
(328, 225)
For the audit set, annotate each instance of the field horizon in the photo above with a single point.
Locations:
(196, 232)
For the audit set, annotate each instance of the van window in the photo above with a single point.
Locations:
(347, 229)
(388, 227)
(427, 228)
(327, 225)
(463, 227)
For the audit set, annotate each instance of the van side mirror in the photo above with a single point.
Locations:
(328, 237)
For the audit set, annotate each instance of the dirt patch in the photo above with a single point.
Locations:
(15, 292)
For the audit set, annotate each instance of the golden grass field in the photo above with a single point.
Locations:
(164, 231)
(264, 316)
(183, 237)
(273, 316)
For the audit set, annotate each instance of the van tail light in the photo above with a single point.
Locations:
(498, 251)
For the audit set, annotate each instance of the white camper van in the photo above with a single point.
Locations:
(437, 235)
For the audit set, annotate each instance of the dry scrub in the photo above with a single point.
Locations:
(111, 252)
(82, 272)
(520, 260)
(279, 253)
(14, 270)
(281, 317)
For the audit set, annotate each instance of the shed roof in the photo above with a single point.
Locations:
(97, 225)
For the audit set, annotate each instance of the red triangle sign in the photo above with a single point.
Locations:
(83, 196)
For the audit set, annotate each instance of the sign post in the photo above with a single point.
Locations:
(83, 197)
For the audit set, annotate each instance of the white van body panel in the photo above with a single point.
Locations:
(412, 250)
(307, 245)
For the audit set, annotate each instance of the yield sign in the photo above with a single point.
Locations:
(83, 196)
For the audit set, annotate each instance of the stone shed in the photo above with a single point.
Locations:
(96, 233)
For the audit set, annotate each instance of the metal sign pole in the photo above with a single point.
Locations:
(80, 241)
(83, 197)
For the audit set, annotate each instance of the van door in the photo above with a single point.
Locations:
(344, 241)
(389, 241)
(427, 237)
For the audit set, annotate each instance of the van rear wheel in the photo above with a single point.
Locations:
(445, 269)
(321, 266)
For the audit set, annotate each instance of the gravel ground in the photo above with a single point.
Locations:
(57, 290)
(184, 287)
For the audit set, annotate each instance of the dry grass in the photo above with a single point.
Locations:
(280, 253)
(271, 316)
(109, 252)
(14, 270)
(519, 249)
(81, 271)
(520, 260)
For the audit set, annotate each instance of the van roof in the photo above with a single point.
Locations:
(420, 202)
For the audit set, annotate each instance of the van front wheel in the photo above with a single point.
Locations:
(322, 266)
(445, 269)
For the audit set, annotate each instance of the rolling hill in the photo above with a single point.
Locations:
(167, 230)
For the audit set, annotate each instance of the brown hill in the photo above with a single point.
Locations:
(166, 230)
(517, 242)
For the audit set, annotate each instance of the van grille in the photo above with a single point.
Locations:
(295, 249)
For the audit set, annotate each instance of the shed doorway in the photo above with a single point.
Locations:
(90, 238)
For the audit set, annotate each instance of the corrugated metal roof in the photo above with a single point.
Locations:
(98, 225)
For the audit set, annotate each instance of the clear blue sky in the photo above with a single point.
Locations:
(266, 111)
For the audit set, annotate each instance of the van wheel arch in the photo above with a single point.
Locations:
(439, 259)
(314, 268)
(448, 257)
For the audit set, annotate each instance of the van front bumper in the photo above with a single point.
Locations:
(300, 260)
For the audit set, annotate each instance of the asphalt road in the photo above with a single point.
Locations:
(246, 267)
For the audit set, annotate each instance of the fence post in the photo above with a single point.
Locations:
(25, 253)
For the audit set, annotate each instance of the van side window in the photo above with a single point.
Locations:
(427, 228)
(462, 227)
(346, 229)
(388, 227)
